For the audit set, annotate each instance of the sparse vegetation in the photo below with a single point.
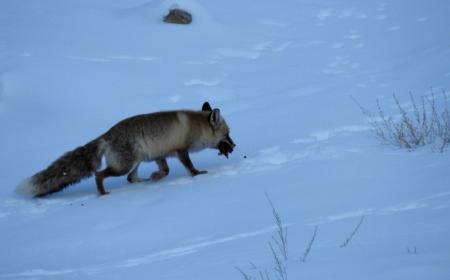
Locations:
(311, 242)
(355, 230)
(279, 267)
(280, 239)
(278, 248)
(417, 124)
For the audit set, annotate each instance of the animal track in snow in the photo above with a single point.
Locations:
(393, 28)
(274, 158)
(253, 52)
(352, 13)
(107, 226)
(267, 159)
(200, 62)
(142, 260)
(381, 17)
(266, 46)
(135, 58)
(238, 53)
(337, 45)
(175, 98)
(433, 202)
(112, 58)
(26, 206)
(324, 14)
(353, 35)
(340, 65)
(312, 43)
(262, 46)
(189, 249)
(382, 6)
(274, 23)
(38, 273)
(200, 82)
(88, 59)
(4, 214)
(324, 135)
(283, 46)
(182, 181)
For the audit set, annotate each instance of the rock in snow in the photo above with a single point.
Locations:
(178, 16)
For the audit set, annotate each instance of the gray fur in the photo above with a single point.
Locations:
(149, 137)
(69, 169)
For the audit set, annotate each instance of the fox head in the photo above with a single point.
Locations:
(220, 131)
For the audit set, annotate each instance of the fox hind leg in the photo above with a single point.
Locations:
(133, 175)
(108, 172)
(163, 169)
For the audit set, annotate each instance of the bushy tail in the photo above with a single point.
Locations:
(69, 169)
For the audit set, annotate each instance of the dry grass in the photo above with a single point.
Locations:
(417, 125)
(278, 248)
(280, 239)
(355, 230)
(310, 244)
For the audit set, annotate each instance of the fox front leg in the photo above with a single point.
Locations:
(183, 156)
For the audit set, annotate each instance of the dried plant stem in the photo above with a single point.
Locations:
(311, 242)
(280, 239)
(279, 267)
(278, 248)
(245, 275)
(347, 241)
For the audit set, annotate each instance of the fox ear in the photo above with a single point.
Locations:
(214, 117)
(206, 107)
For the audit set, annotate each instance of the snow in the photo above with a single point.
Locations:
(283, 76)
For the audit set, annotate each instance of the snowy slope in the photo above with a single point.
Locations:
(282, 75)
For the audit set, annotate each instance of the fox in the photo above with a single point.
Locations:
(137, 139)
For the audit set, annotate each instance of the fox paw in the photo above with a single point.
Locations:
(158, 175)
(196, 172)
(133, 179)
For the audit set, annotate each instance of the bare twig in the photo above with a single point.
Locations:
(280, 239)
(308, 249)
(347, 241)
(278, 247)
(245, 275)
(279, 267)
(264, 276)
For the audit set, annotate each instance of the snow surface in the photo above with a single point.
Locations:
(282, 74)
